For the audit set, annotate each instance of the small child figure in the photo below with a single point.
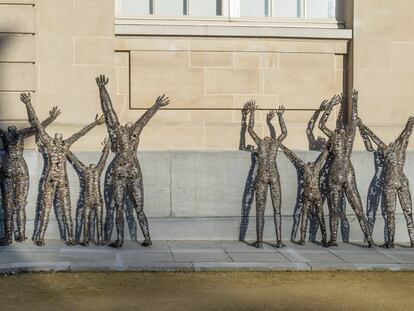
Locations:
(92, 212)
(312, 197)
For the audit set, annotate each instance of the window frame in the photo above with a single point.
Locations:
(231, 12)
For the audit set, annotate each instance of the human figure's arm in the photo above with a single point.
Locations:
(351, 126)
(375, 139)
(76, 163)
(327, 107)
(366, 140)
(311, 126)
(33, 119)
(161, 101)
(269, 118)
(322, 157)
(282, 124)
(111, 118)
(98, 121)
(29, 131)
(296, 161)
(404, 137)
(104, 155)
(250, 127)
(243, 128)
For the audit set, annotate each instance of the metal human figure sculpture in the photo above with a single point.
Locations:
(126, 171)
(375, 195)
(92, 210)
(14, 176)
(56, 183)
(268, 176)
(248, 194)
(341, 172)
(395, 181)
(311, 197)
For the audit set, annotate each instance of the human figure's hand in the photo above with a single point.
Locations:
(25, 98)
(101, 80)
(55, 112)
(280, 111)
(162, 101)
(270, 115)
(99, 119)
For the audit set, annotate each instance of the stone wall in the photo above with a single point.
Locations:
(383, 64)
(198, 195)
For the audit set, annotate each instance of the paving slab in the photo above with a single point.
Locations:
(250, 266)
(200, 255)
(145, 256)
(320, 257)
(257, 257)
(371, 258)
(237, 246)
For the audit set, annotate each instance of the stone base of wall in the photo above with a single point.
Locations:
(191, 195)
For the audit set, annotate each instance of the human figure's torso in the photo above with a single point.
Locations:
(14, 164)
(266, 153)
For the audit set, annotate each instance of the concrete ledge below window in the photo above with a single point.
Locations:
(259, 31)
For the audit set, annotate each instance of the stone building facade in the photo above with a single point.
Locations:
(209, 66)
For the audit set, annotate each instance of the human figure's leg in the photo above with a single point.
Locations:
(86, 223)
(321, 218)
(64, 201)
(352, 194)
(390, 196)
(406, 204)
(7, 191)
(304, 221)
(47, 200)
(119, 198)
(276, 195)
(21, 191)
(334, 197)
(99, 223)
(136, 192)
(261, 193)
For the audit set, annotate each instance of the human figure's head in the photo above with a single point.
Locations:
(58, 138)
(12, 129)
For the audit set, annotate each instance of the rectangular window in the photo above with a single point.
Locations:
(286, 8)
(304, 9)
(135, 7)
(321, 8)
(170, 7)
(254, 8)
(205, 7)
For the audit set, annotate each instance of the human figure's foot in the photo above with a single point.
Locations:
(116, 244)
(279, 244)
(146, 242)
(258, 244)
(332, 243)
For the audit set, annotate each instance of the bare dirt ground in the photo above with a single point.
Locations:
(208, 291)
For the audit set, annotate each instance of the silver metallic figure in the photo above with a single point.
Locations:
(375, 195)
(14, 176)
(311, 197)
(126, 171)
(395, 181)
(56, 183)
(92, 209)
(268, 176)
(341, 172)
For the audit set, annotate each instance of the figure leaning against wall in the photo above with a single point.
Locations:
(395, 181)
(341, 172)
(56, 184)
(126, 171)
(311, 196)
(92, 209)
(268, 176)
(14, 176)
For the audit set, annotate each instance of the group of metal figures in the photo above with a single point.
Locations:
(330, 177)
(125, 178)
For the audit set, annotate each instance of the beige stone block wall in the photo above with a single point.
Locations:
(17, 72)
(74, 43)
(208, 81)
(383, 64)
